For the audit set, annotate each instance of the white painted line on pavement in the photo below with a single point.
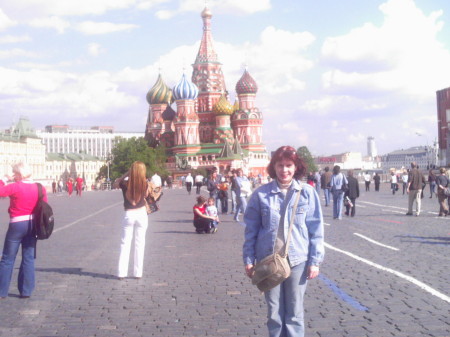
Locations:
(326, 224)
(375, 242)
(87, 216)
(374, 204)
(408, 278)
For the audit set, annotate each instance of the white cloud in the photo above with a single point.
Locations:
(53, 22)
(16, 52)
(5, 21)
(403, 54)
(95, 49)
(14, 38)
(96, 28)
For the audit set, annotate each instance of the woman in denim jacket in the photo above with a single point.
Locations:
(267, 206)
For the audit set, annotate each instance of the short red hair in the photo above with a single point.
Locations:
(288, 153)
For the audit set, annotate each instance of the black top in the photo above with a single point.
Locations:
(442, 180)
(126, 203)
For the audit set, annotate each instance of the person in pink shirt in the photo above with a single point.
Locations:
(69, 185)
(23, 195)
(79, 182)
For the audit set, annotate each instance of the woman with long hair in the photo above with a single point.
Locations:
(134, 187)
(267, 219)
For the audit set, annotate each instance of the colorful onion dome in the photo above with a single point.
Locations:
(206, 13)
(246, 85)
(185, 89)
(168, 114)
(160, 93)
(223, 107)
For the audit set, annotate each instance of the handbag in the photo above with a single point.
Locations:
(154, 193)
(275, 268)
(447, 191)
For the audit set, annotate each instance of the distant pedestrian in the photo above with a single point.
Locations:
(325, 181)
(416, 180)
(367, 181)
(60, 186)
(405, 181)
(23, 195)
(134, 188)
(212, 187)
(198, 182)
(377, 180)
(189, 181)
(223, 194)
(169, 181)
(394, 185)
(338, 181)
(156, 180)
(317, 176)
(351, 194)
(442, 183)
(432, 182)
(69, 186)
(79, 185)
(311, 179)
(243, 190)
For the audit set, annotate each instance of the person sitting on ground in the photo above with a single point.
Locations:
(201, 219)
(211, 210)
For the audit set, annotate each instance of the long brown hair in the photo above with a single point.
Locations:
(137, 183)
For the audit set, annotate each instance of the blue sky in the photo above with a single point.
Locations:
(330, 73)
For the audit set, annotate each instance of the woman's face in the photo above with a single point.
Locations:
(285, 170)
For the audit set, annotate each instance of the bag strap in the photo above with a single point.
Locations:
(291, 222)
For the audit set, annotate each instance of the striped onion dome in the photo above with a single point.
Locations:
(246, 85)
(223, 107)
(185, 89)
(160, 93)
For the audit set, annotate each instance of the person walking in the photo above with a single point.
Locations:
(189, 181)
(79, 185)
(377, 180)
(69, 186)
(135, 189)
(243, 190)
(442, 183)
(394, 185)
(415, 182)
(367, 181)
(198, 183)
(351, 194)
(405, 176)
(265, 234)
(23, 196)
(325, 180)
(338, 184)
(432, 182)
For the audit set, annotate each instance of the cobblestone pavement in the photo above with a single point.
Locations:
(385, 274)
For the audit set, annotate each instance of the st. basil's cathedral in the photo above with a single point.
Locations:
(206, 130)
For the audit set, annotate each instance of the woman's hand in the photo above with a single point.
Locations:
(313, 272)
(249, 270)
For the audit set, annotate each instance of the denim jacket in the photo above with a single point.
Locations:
(262, 218)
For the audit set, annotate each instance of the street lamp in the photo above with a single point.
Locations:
(426, 149)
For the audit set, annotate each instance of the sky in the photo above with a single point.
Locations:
(330, 73)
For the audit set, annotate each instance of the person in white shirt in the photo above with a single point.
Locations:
(199, 182)
(189, 181)
(156, 180)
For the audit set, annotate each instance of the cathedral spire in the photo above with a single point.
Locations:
(206, 52)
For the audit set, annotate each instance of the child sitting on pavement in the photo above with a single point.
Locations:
(212, 211)
(202, 221)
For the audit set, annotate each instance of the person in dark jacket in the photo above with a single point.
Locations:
(351, 194)
(442, 184)
(377, 180)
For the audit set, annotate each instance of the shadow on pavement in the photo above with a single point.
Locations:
(75, 271)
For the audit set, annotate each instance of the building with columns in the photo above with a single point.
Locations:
(203, 129)
(96, 141)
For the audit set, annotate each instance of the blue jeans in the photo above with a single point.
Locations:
(285, 305)
(241, 206)
(326, 192)
(233, 201)
(18, 233)
(338, 201)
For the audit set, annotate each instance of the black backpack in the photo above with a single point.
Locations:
(43, 220)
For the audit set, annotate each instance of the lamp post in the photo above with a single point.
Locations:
(426, 149)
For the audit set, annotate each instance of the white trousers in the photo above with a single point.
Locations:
(134, 221)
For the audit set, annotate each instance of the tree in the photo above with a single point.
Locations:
(134, 149)
(304, 153)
